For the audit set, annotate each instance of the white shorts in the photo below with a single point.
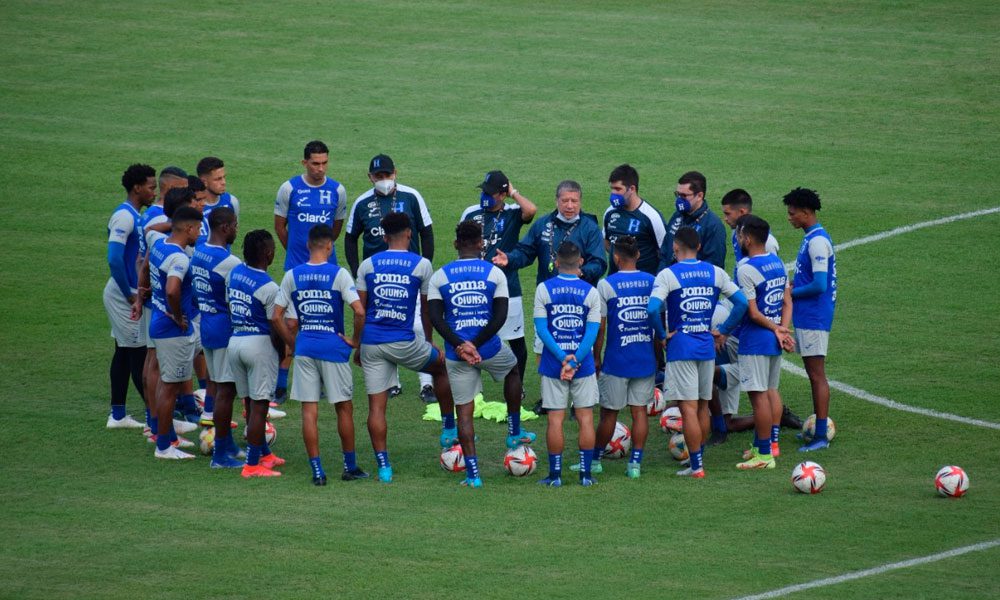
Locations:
(311, 376)
(219, 369)
(729, 398)
(513, 327)
(578, 393)
(689, 379)
(196, 324)
(175, 355)
(379, 362)
(254, 362)
(537, 346)
(812, 342)
(466, 380)
(147, 316)
(127, 333)
(619, 392)
(759, 373)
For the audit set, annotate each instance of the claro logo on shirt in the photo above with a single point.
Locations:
(323, 217)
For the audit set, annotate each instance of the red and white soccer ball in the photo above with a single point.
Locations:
(809, 429)
(520, 461)
(657, 404)
(678, 449)
(206, 440)
(199, 397)
(270, 433)
(951, 481)
(452, 459)
(671, 421)
(621, 442)
(808, 477)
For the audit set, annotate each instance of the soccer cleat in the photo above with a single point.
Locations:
(525, 437)
(395, 391)
(595, 467)
(538, 409)
(206, 420)
(319, 481)
(699, 474)
(633, 470)
(449, 437)
(385, 474)
(587, 481)
(789, 419)
(182, 427)
(274, 413)
(353, 475)
(226, 462)
(748, 453)
(551, 482)
(182, 443)
(472, 482)
(815, 445)
(126, 422)
(757, 461)
(271, 461)
(427, 394)
(717, 438)
(172, 453)
(258, 471)
(775, 450)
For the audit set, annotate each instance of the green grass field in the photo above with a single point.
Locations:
(889, 109)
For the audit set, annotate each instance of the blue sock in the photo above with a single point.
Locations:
(253, 455)
(555, 466)
(350, 461)
(265, 450)
(598, 451)
(696, 460)
(202, 383)
(514, 423)
(162, 442)
(701, 451)
(820, 429)
(209, 403)
(172, 435)
(586, 460)
(775, 432)
(117, 412)
(149, 420)
(154, 424)
(282, 378)
(382, 458)
(472, 467)
(636, 455)
(719, 424)
(317, 468)
(447, 420)
(187, 404)
(764, 446)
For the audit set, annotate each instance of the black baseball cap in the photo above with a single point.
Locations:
(381, 164)
(494, 183)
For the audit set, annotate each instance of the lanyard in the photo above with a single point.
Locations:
(553, 248)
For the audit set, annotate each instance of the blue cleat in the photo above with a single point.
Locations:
(449, 437)
(226, 462)
(525, 437)
(815, 445)
(385, 474)
(551, 482)
(587, 481)
(472, 482)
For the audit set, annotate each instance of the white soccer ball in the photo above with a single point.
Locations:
(520, 461)
(621, 442)
(678, 449)
(452, 459)
(671, 421)
(808, 477)
(270, 433)
(951, 481)
(199, 397)
(206, 440)
(809, 429)
(656, 404)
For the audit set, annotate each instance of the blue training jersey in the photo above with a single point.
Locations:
(815, 254)
(210, 266)
(393, 281)
(690, 290)
(468, 287)
(124, 228)
(629, 334)
(567, 303)
(251, 295)
(225, 200)
(762, 279)
(316, 295)
(304, 206)
(169, 260)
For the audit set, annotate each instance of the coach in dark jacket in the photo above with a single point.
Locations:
(692, 211)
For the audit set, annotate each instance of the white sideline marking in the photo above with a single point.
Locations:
(913, 562)
(868, 397)
(908, 228)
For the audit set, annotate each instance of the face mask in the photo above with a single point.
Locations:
(486, 201)
(617, 200)
(565, 220)
(384, 187)
(683, 204)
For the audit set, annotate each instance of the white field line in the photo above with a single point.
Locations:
(866, 396)
(913, 562)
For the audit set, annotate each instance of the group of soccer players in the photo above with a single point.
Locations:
(180, 303)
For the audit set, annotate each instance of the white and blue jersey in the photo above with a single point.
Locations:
(394, 280)
(567, 303)
(124, 229)
(226, 200)
(251, 295)
(304, 206)
(210, 266)
(690, 290)
(169, 260)
(645, 224)
(771, 246)
(154, 214)
(762, 279)
(468, 287)
(316, 295)
(629, 348)
(815, 255)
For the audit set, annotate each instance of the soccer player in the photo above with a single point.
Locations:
(253, 350)
(763, 335)
(467, 303)
(211, 265)
(567, 318)
(314, 294)
(124, 235)
(391, 285)
(692, 211)
(736, 204)
(689, 289)
(501, 224)
(628, 367)
(630, 215)
(212, 172)
(170, 324)
(387, 196)
(814, 294)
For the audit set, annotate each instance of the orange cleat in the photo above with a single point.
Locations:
(258, 471)
(271, 461)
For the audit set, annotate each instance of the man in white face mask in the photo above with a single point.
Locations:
(388, 196)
